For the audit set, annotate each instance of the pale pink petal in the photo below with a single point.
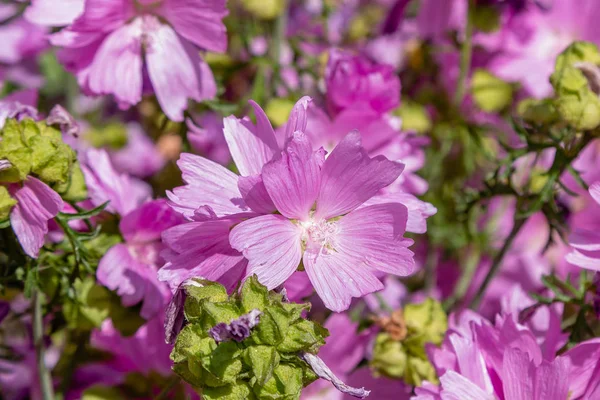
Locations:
(174, 69)
(550, 382)
(470, 361)
(457, 387)
(148, 222)
(337, 278)
(588, 260)
(199, 21)
(51, 13)
(373, 237)
(207, 184)
(140, 156)
(350, 177)
(517, 375)
(418, 210)
(124, 193)
(595, 191)
(272, 245)
(251, 147)
(298, 117)
(293, 180)
(131, 271)
(585, 240)
(117, 65)
(36, 204)
(255, 194)
(582, 363)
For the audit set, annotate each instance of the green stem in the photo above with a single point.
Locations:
(38, 340)
(497, 262)
(466, 54)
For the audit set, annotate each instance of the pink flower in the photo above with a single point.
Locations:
(130, 268)
(139, 157)
(48, 13)
(480, 361)
(36, 204)
(123, 192)
(207, 139)
(586, 243)
(342, 245)
(354, 80)
(115, 46)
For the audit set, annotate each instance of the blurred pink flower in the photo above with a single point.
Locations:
(585, 243)
(116, 46)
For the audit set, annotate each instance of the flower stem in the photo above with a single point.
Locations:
(38, 340)
(497, 262)
(466, 54)
(465, 279)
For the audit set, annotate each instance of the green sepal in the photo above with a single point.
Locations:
(286, 383)
(262, 360)
(303, 336)
(6, 203)
(238, 391)
(224, 362)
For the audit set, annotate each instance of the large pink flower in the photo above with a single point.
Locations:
(586, 243)
(342, 245)
(116, 46)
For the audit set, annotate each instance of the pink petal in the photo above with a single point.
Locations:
(199, 21)
(117, 65)
(255, 194)
(582, 364)
(251, 147)
(550, 382)
(337, 278)
(350, 177)
(457, 387)
(131, 272)
(293, 180)
(263, 126)
(140, 157)
(148, 222)
(272, 245)
(595, 191)
(208, 184)
(517, 375)
(123, 192)
(372, 237)
(49, 13)
(589, 260)
(418, 210)
(585, 240)
(175, 69)
(298, 117)
(36, 204)
(470, 361)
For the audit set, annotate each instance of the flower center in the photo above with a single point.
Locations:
(319, 234)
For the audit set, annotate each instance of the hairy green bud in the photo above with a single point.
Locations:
(414, 117)
(244, 346)
(576, 101)
(264, 9)
(400, 353)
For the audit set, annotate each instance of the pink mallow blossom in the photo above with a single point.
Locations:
(123, 47)
(478, 360)
(586, 243)
(343, 246)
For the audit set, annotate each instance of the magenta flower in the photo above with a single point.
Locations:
(139, 157)
(480, 361)
(49, 13)
(116, 46)
(354, 80)
(36, 205)
(586, 243)
(130, 268)
(342, 245)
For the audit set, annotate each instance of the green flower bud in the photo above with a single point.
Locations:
(486, 18)
(576, 101)
(34, 148)
(414, 117)
(542, 112)
(389, 357)
(491, 94)
(259, 359)
(90, 307)
(6, 203)
(75, 189)
(264, 9)
(427, 318)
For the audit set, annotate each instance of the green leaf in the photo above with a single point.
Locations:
(491, 94)
(224, 362)
(273, 326)
(254, 295)
(91, 306)
(263, 360)
(192, 342)
(286, 383)
(303, 336)
(238, 391)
